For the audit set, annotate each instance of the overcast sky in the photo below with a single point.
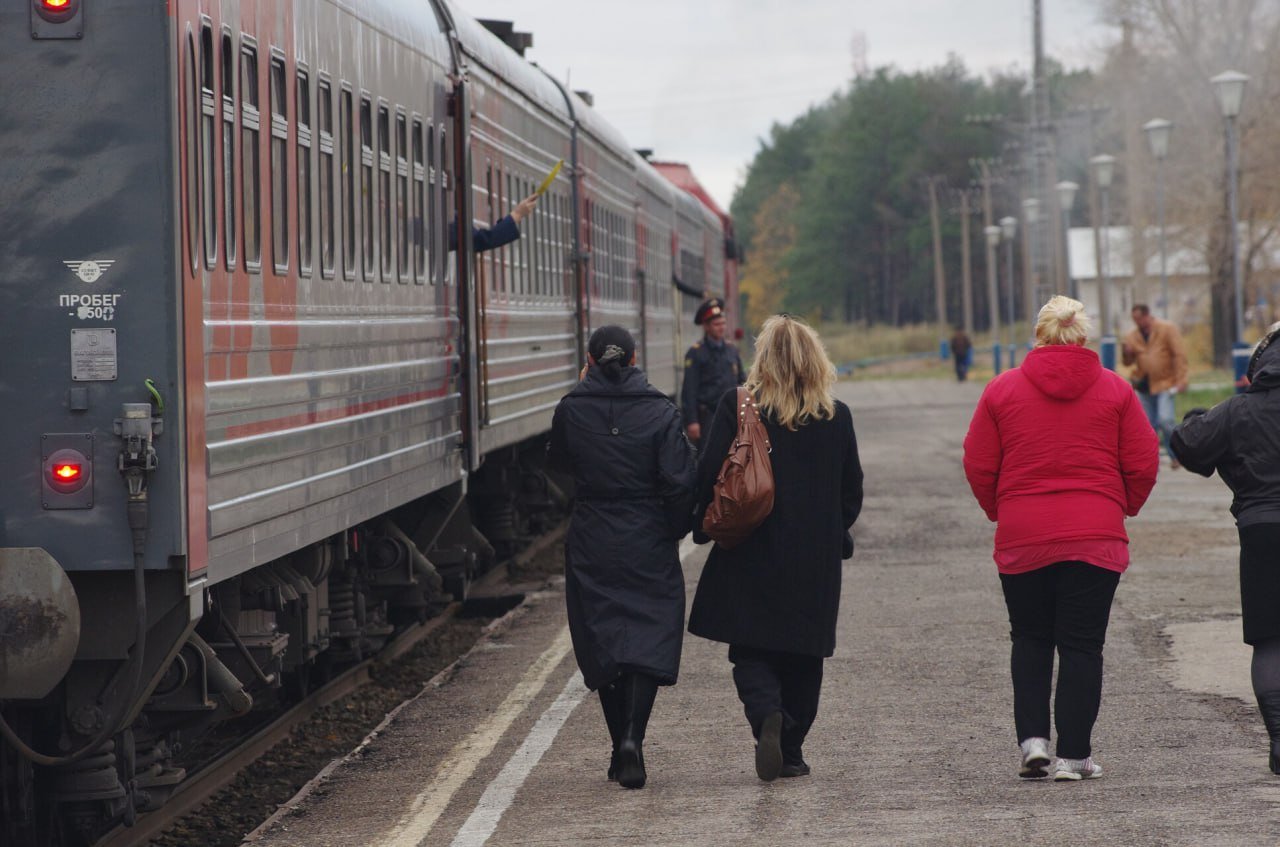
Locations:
(702, 81)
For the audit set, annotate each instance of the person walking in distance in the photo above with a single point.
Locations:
(961, 347)
(711, 367)
(1155, 350)
(773, 598)
(633, 468)
(1058, 453)
(1239, 439)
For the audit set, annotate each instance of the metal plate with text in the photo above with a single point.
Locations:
(93, 355)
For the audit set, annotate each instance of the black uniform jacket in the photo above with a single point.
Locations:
(503, 232)
(780, 589)
(710, 369)
(1240, 439)
(634, 471)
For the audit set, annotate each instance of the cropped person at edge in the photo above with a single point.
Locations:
(1058, 453)
(633, 468)
(774, 598)
(1239, 439)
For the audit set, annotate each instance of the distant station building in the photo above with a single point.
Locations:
(1187, 265)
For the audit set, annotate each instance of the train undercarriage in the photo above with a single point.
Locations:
(265, 638)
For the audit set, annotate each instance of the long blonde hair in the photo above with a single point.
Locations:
(792, 377)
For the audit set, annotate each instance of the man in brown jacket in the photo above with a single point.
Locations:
(1154, 348)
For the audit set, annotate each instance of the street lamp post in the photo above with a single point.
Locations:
(1229, 87)
(1009, 229)
(992, 234)
(1066, 200)
(1104, 168)
(1030, 290)
(1158, 140)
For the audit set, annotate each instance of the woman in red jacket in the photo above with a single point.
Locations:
(1058, 453)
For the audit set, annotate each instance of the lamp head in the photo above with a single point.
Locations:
(1067, 195)
(1009, 227)
(1229, 86)
(1104, 169)
(1158, 131)
(993, 235)
(1031, 210)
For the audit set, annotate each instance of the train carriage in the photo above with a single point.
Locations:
(262, 412)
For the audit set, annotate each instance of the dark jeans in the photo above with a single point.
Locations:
(1064, 606)
(771, 681)
(962, 368)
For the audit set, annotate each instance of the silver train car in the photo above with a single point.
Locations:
(267, 404)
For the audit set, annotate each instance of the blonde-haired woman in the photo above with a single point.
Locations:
(1058, 453)
(773, 598)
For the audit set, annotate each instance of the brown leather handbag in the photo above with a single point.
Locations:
(743, 493)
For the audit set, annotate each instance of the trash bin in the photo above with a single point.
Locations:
(944, 349)
(1108, 352)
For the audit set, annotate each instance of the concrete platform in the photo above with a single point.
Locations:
(914, 743)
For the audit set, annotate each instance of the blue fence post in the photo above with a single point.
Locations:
(1109, 352)
(1241, 353)
(1013, 355)
(944, 349)
(995, 353)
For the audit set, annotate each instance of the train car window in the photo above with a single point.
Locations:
(279, 166)
(385, 201)
(402, 198)
(229, 149)
(366, 188)
(434, 250)
(348, 185)
(208, 140)
(419, 206)
(324, 111)
(303, 111)
(250, 156)
(495, 281)
(191, 108)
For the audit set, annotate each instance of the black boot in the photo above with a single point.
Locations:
(1269, 705)
(769, 748)
(615, 717)
(639, 691)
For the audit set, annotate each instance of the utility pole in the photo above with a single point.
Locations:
(993, 295)
(939, 273)
(966, 271)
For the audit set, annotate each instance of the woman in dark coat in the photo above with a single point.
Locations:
(1240, 439)
(774, 598)
(634, 469)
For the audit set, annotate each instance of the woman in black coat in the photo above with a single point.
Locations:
(1240, 439)
(634, 469)
(774, 598)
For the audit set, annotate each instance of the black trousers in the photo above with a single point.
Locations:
(771, 681)
(1063, 607)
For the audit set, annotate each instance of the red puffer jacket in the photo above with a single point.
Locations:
(1058, 452)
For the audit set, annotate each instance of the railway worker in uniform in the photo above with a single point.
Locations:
(711, 367)
(501, 233)
(1239, 439)
(633, 469)
(774, 598)
(1058, 453)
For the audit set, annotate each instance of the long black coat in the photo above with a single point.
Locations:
(780, 589)
(634, 470)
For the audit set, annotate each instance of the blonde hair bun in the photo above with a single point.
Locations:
(1062, 321)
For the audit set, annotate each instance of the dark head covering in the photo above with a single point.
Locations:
(1260, 352)
(713, 308)
(612, 348)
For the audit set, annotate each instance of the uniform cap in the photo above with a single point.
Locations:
(709, 309)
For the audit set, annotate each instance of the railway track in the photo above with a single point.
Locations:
(211, 777)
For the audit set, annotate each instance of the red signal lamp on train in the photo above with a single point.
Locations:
(67, 471)
(56, 11)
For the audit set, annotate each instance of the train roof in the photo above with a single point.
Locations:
(410, 22)
(483, 47)
(681, 175)
(649, 178)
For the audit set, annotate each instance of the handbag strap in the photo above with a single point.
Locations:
(747, 401)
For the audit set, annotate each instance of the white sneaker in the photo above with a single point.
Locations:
(1035, 758)
(1070, 769)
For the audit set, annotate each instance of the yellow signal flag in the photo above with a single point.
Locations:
(551, 177)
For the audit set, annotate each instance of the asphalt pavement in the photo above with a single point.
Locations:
(914, 742)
